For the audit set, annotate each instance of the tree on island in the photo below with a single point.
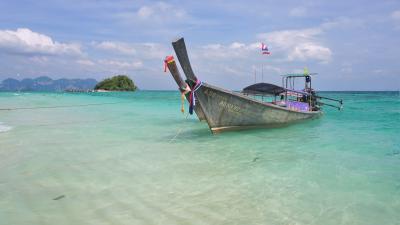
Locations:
(116, 83)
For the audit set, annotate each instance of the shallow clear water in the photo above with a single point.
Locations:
(140, 161)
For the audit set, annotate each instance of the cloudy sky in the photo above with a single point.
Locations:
(353, 45)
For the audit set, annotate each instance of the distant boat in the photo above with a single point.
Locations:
(101, 90)
(228, 110)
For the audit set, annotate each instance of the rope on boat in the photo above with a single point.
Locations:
(60, 106)
(179, 131)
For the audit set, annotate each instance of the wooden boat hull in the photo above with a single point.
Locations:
(228, 110)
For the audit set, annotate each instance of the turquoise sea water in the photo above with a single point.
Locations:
(140, 161)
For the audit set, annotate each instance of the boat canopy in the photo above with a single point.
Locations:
(263, 89)
(298, 74)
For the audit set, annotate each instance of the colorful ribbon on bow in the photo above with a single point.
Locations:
(168, 59)
(192, 97)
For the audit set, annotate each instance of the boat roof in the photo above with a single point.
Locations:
(263, 88)
(298, 74)
(268, 89)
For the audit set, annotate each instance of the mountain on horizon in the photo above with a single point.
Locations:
(44, 83)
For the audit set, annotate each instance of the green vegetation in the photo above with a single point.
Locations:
(116, 83)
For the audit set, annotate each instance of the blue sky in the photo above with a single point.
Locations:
(353, 45)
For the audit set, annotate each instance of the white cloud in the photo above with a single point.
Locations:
(121, 64)
(342, 23)
(141, 50)
(162, 19)
(39, 59)
(213, 46)
(86, 62)
(25, 41)
(242, 59)
(306, 44)
(151, 50)
(300, 44)
(298, 12)
(160, 11)
(233, 50)
(117, 47)
(237, 45)
(310, 50)
(156, 13)
(108, 66)
(396, 15)
(145, 12)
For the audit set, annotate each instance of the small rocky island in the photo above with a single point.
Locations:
(116, 83)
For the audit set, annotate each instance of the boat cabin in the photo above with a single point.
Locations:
(286, 96)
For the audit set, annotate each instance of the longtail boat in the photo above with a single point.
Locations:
(229, 110)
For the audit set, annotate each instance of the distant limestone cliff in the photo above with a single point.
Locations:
(47, 84)
(116, 83)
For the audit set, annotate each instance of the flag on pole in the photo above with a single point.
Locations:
(306, 71)
(264, 49)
